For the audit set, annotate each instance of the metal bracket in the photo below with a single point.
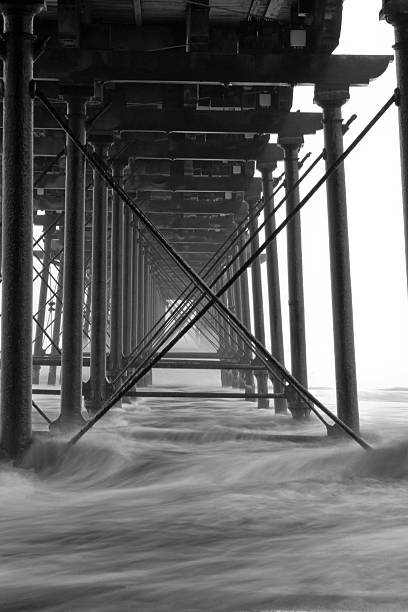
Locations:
(39, 46)
(346, 126)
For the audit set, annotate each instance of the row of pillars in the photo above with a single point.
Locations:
(135, 301)
(132, 278)
(18, 50)
(331, 102)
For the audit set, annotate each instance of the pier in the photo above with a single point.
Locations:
(140, 142)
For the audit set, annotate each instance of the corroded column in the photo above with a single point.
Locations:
(257, 301)
(74, 242)
(331, 102)
(17, 49)
(272, 267)
(295, 275)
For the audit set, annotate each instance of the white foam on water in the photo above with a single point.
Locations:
(190, 505)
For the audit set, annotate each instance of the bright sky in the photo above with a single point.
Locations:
(375, 225)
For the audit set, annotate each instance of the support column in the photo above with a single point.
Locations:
(17, 49)
(141, 298)
(115, 362)
(223, 340)
(127, 280)
(331, 102)
(42, 307)
(259, 325)
(295, 276)
(56, 329)
(246, 315)
(74, 242)
(135, 277)
(396, 13)
(272, 267)
(148, 378)
(96, 387)
(232, 334)
(238, 309)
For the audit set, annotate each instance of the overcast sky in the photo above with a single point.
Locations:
(375, 225)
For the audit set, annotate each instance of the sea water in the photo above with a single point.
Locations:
(173, 505)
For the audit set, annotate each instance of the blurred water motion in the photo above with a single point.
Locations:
(184, 506)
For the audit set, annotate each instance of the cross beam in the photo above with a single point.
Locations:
(79, 66)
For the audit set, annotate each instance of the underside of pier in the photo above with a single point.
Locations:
(140, 143)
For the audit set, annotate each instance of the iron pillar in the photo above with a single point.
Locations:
(272, 268)
(291, 147)
(331, 100)
(95, 390)
(396, 13)
(18, 52)
(258, 309)
(74, 246)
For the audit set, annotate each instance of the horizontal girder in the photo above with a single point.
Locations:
(125, 119)
(84, 67)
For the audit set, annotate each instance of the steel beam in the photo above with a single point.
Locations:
(18, 52)
(195, 184)
(188, 121)
(80, 66)
(237, 151)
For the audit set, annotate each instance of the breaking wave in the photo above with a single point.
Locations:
(202, 506)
